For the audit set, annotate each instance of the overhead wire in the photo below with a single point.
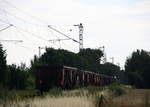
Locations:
(15, 42)
(24, 29)
(39, 37)
(33, 34)
(13, 6)
(63, 35)
(5, 28)
(29, 15)
(58, 39)
(21, 19)
(29, 32)
(32, 42)
(25, 47)
(32, 16)
(23, 35)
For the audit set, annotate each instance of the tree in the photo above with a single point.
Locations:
(3, 67)
(137, 68)
(90, 59)
(110, 69)
(87, 59)
(54, 57)
(19, 77)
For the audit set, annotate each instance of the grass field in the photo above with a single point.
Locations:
(134, 98)
(112, 96)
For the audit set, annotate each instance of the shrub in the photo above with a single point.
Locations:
(116, 89)
(55, 92)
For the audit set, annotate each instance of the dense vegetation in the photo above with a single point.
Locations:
(3, 67)
(87, 59)
(12, 76)
(137, 67)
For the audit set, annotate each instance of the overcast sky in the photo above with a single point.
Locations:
(122, 26)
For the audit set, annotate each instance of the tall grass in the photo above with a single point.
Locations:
(110, 96)
(7, 96)
(117, 89)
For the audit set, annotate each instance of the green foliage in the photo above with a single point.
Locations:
(19, 77)
(116, 89)
(110, 69)
(59, 57)
(3, 68)
(101, 101)
(92, 90)
(137, 69)
(55, 92)
(15, 95)
(89, 58)
(86, 59)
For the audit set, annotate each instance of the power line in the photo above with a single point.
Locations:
(23, 35)
(6, 28)
(24, 29)
(34, 17)
(13, 6)
(19, 18)
(25, 47)
(58, 40)
(16, 41)
(55, 40)
(11, 41)
(18, 28)
(62, 33)
(35, 35)
(29, 23)
(28, 38)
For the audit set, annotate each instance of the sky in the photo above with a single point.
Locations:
(122, 26)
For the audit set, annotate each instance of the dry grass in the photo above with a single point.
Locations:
(134, 98)
(92, 97)
(54, 102)
(84, 97)
(63, 102)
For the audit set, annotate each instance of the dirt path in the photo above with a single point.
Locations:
(134, 98)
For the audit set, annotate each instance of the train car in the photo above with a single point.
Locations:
(68, 78)
(58, 76)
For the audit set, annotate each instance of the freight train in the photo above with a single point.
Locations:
(68, 78)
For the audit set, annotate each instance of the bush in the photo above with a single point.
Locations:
(117, 89)
(55, 92)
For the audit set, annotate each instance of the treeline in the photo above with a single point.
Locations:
(137, 69)
(87, 59)
(136, 73)
(12, 76)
